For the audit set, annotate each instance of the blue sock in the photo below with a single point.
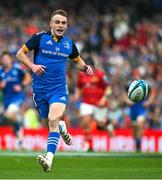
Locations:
(52, 142)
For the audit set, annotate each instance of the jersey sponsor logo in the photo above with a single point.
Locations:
(44, 51)
(57, 49)
(63, 98)
(49, 42)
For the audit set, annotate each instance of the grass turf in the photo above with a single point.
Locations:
(74, 167)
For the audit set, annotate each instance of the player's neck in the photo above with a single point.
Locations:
(56, 38)
(7, 68)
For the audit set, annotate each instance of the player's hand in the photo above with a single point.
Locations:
(17, 88)
(147, 103)
(102, 102)
(2, 84)
(38, 69)
(88, 70)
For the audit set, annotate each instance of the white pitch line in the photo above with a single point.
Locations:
(83, 154)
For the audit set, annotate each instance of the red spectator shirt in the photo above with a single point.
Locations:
(92, 87)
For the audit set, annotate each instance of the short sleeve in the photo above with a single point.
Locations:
(33, 42)
(74, 54)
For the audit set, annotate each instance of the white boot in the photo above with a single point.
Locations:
(44, 162)
(64, 133)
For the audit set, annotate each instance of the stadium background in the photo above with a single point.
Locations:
(125, 39)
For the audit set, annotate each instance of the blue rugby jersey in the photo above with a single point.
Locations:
(13, 77)
(53, 55)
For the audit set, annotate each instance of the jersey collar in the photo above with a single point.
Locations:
(54, 37)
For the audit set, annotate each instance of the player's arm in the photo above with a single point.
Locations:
(31, 44)
(104, 98)
(107, 90)
(78, 88)
(151, 97)
(2, 84)
(79, 62)
(77, 94)
(23, 58)
(108, 86)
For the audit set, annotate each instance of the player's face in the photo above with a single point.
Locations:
(6, 61)
(58, 25)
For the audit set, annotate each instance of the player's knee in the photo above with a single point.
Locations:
(54, 117)
(53, 121)
(140, 121)
(11, 116)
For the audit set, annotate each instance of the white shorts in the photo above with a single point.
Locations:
(100, 114)
(13, 108)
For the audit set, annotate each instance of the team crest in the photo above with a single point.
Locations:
(67, 45)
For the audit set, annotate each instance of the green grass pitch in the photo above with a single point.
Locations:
(83, 167)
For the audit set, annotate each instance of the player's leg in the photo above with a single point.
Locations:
(138, 114)
(42, 107)
(56, 111)
(62, 99)
(86, 116)
(87, 122)
(13, 115)
(100, 115)
(138, 130)
(63, 131)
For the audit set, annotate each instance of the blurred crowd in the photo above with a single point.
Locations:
(124, 39)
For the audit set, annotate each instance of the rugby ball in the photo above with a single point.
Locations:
(138, 90)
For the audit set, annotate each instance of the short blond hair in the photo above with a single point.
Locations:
(60, 12)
